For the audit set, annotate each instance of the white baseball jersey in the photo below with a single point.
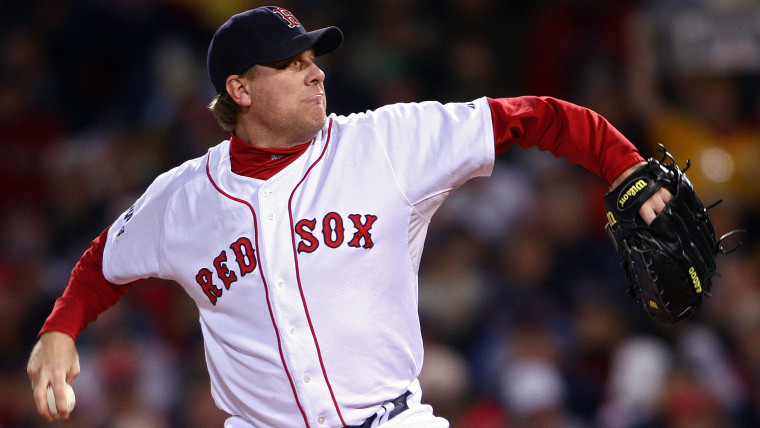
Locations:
(306, 283)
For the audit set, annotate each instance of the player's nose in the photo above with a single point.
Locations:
(315, 75)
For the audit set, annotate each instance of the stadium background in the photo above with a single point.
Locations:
(523, 304)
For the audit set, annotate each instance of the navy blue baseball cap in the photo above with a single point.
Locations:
(263, 35)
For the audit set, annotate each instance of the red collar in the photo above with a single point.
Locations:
(257, 162)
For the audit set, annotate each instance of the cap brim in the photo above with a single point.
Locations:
(324, 40)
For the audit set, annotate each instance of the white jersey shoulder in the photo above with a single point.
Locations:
(134, 233)
(432, 147)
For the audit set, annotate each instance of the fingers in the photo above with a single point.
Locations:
(40, 401)
(654, 205)
(61, 400)
(40, 379)
(53, 361)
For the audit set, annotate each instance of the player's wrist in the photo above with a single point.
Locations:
(625, 174)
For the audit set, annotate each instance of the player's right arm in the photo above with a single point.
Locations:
(54, 359)
(90, 291)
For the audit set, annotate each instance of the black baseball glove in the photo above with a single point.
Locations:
(669, 264)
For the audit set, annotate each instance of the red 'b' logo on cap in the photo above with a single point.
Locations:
(288, 17)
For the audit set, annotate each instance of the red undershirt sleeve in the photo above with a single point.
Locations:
(87, 295)
(566, 130)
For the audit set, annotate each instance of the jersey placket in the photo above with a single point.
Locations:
(290, 311)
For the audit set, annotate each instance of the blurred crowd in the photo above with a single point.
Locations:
(522, 300)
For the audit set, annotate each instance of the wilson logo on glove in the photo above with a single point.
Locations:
(632, 191)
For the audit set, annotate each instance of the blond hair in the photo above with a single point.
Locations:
(225, 109)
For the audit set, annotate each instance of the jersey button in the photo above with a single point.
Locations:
(291, 330)
(280, 282)
(270, 215)
(306, 378)
(321, 420)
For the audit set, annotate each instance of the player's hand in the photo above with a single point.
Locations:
(652, 206)
(54, 361)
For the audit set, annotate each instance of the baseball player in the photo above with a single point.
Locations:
(299, 238)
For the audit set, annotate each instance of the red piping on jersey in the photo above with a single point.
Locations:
(298, 273)
(264, 281)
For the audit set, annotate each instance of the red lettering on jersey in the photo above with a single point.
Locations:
(245, 255)
(288, 17)
(362, 230)
(304, 229)
(222, 271)
(204, 279)
(332, 230)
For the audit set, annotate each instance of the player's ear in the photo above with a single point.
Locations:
(238, 91)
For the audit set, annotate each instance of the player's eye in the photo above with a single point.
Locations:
(293, 64)
(296, 64)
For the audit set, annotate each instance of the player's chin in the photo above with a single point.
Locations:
(320, 123)
(317, 115)
(310, 126)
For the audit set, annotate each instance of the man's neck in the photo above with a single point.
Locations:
(261, 134)
(259, 162)
(266, 141)
(269, 139)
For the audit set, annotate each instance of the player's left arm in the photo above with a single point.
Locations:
(577, 133)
